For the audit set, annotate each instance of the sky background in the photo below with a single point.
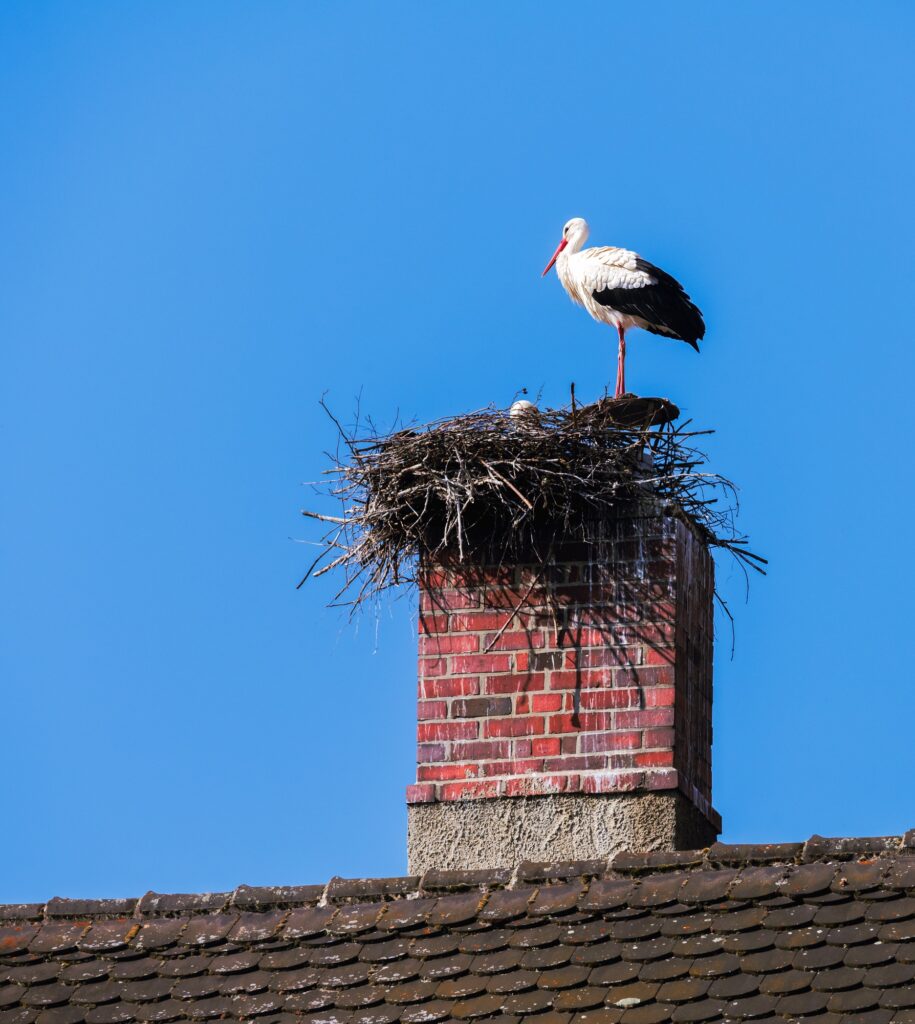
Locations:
(213, 213)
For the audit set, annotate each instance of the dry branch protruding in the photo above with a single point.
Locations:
(488, 489)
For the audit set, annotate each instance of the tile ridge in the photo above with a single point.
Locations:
(435, 883)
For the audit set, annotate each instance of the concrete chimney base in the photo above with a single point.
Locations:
(469, 834)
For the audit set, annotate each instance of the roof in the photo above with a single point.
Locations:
(823, 929)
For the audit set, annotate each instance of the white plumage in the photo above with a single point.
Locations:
(619, 288)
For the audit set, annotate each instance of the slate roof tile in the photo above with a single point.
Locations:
(748, 853)
(261, 897)
(460, 988)
(434, 881)
(156, 904)
(497, 961)
(558, 871)
(824, 931)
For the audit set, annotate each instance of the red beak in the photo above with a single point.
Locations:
(553, 258)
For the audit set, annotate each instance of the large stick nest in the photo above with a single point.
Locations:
(487, 488)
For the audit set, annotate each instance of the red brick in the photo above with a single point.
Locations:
(465, 664)
(532, 725)
(433, 667)
(426, 709)
(617, 761)
(447, 731)
(481, 750)
(599, 741)
(446, 772)
(603, 657)
(613, 782)
(522, 748)
(563, 723)
(481, 707)
(660, 655)
(450, 686)
(431, 624)
(546, 702)
(659, 696)
(511, 640)
(510, 598)
(456, 643)
(644, 719)
(658, 635)
(421, 793)
(597, 635)
(658, 738)
(541, 785)
(449, 600)
(589, 721)
(655, 759)
(514, 683)
(546, 746)
(662, 611)
(578, 762)
(513, 767)
(470, 790)
(656, 675)
(569, 679)
(664, 779)
(610, 698)
(474, 622)
(426, 752)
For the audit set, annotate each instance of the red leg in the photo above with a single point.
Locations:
(621, 364)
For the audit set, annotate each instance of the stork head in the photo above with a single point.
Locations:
(574, 235)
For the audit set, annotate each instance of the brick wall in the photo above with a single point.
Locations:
(600, 683)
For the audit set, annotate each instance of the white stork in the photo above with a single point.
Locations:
(619, 288)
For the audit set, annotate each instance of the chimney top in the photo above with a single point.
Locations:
(562, 558)
(566, 714)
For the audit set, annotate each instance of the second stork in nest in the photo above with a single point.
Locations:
(619, 288)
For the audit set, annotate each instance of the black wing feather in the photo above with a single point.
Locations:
(665, 307)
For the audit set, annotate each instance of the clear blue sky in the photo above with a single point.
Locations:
(212, 213)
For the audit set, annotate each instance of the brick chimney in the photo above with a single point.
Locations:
(567, 714)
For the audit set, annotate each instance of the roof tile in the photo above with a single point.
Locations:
(744, 932)
(757, 882)
(559, 871)
(707, 886)
(11, 912)
(819, 848)
(697, 1012)
(506, 905)
(808, 879)
(740, 854)
(406, 914)
(454, 910)
(656, 860)
(360, 890)
(59, 907)
(607, 894)
(208, 929)
(106, 936)
(158, 934)
(262, 897)
(902, 874)
(157, 904)
(16, 939)
(452, 881)
(657, 891)
(307, 922)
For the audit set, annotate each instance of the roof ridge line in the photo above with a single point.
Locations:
(434, 883)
